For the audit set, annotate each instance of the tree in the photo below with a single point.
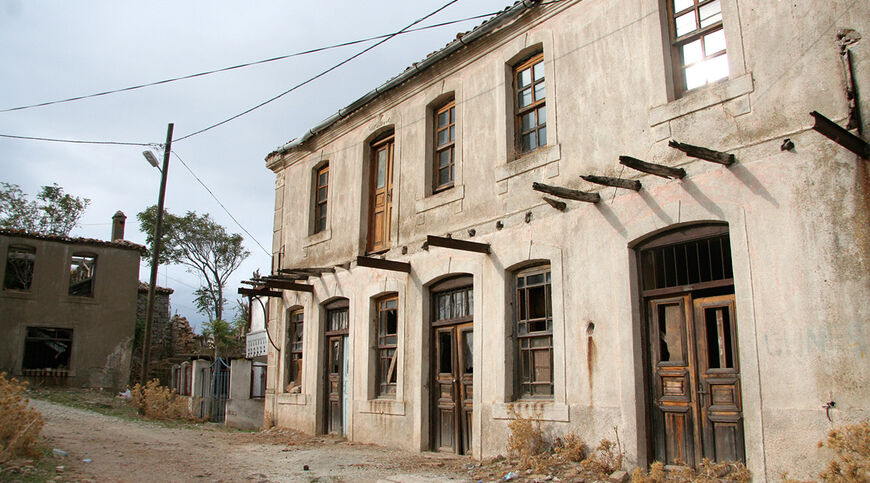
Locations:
(52, 213)
(201, 245)
(226, 338)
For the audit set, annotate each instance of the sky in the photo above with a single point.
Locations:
(56, 49)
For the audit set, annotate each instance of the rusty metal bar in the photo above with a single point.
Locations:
(840, 135)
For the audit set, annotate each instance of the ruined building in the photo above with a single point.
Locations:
(596, 213)
(68, 307)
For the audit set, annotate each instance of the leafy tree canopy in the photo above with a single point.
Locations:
(52, 213)
(201, 245)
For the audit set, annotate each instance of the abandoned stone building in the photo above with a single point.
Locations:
(68, 307)
(600, 214)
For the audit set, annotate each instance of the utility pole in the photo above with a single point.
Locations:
(155, 255)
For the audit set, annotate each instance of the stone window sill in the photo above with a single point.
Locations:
(296, 399)
(541, 157)
(381, 406)
(701, 99)
(455, 193)
(541, 410)
(316, 238)
(16, 294)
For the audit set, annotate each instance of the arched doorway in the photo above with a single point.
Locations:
(691, 364)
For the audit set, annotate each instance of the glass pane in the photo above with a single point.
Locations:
(524, 78)
(542, 136)
(470, 298)
(527, 121)
(445, 175)
(443, 307)
(714, 42)
(529, 142)
(443, 137)
(321, 180)
(452, 133)
(540, 91)
(710, 13)
(542, 117)
(717, 68)
(445, 346)
(524, 97)
(696, 76)
(539, 70)
(680, 5)
(692, 52)
(467, 352)
(453, 114)
(443, 118)
(686, 23)
(459, 304)
(537, 302)
(382, 169)
(671, 333)
(535, 279)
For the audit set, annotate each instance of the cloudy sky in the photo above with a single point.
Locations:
(57, 49)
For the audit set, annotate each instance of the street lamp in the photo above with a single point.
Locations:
(155, 251)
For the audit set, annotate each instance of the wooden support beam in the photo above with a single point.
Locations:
(296, 275)
(559, 205)
(567, 193)
(841, 136)
(629, 184)
(656, 169)
(288, 285)
(391, 265)
(703, 153)
(262, 292)
(468, 246)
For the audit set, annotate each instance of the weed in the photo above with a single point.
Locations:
(154, 401)
(707, 472)
(570, 448)
(526, 442)
(851, 461)
(19, 425)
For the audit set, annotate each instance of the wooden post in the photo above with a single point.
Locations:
(628, 184)
(656, 169)
(841, 136)
(703, 153)
(567, 193)
(559, 205)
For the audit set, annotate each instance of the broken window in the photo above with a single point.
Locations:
(258, 380)
(697, 43)
(295, 325)
(531, 112)
(455, 305)
(321, 191)
(19, 267)
(82, 271)
(534, 332)
(445, 136)
(47, 348)
(388, 321)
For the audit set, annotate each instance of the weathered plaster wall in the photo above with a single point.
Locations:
(798, 224)
(102, 325)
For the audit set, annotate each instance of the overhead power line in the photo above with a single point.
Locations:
(174, 152)
(74, 141)
(311, 79)
(240, 66)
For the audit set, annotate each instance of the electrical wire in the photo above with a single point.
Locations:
(311, 79)
(221, 204)
(240, 66)
(74, 141)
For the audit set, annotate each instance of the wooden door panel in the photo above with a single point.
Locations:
(381, 186)
(679, 440)
(335, 362)
(445, 382)
(466, 383)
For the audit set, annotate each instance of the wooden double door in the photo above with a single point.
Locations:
(695, 402)
(452, 383)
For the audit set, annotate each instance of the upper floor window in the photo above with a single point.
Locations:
(82, 270)
(321, 192)
(531, 112)
(534, 333)
(380, 193)
(388, 323)
(19, 267)
(445, 138)
(697, 42)
(295, 325)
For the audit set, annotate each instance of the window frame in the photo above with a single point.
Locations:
(28, 254)
(529, 64)
(294, 355)
(463, 284)
(28, 339)
(449, 146)
(92, 278)
(320, 204)
(386, 346)
(261, 374)
(679, 68)
(525, 380)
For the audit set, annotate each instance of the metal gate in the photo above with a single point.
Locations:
(214, 394)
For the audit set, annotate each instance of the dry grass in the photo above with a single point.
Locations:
(570, 448)
(707, 472)
(154, 401)
(606, 459)
(526, 443)
(19, 425)
(851, 461)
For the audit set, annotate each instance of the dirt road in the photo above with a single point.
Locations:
(122, 450)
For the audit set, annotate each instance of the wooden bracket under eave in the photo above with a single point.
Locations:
(567, 193)
(382, 264)
(629, 184)
(726, 159)
(559, 205)
(841, 136)
(656, 169)
(452, 243)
